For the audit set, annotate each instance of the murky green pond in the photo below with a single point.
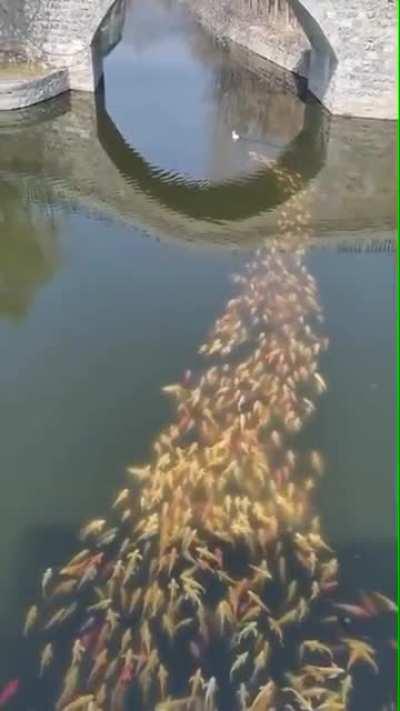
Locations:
(122, 219)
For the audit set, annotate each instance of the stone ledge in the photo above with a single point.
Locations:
(20, 92)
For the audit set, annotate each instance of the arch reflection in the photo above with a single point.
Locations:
(258, 101)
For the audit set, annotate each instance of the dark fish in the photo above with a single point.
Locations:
(90, 622)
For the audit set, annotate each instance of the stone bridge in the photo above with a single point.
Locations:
(344, 48)
(64, 40)
(351, 67)
(62, 34)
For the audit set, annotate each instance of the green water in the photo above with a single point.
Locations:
(121, 221)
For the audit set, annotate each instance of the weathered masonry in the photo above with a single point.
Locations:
(351, 66)
(345, 49)
(62, 41)
(62, 34)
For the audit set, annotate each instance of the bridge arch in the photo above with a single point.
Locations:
(62, 34)
(313, 17)
(352, 60)
(101, 11)
(351, 66)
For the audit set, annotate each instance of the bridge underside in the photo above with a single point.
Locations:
(344, 48)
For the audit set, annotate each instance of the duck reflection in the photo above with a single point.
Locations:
(264, 117)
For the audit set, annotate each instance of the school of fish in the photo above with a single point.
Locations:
(210, 586)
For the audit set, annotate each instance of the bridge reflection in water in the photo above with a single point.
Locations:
(74, 153)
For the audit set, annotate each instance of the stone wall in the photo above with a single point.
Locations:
(71, 36)
(57, 33)
(13, 24)
(345, 48)
(269, 28)
(361, 36)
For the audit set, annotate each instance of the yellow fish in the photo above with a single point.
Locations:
(31, 619)
(46, 658)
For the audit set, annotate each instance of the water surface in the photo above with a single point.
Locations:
(121, 222)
